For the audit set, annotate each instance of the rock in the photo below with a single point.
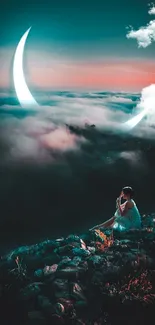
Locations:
(83, 245)
(60, 284)
(68, 272)
(48, 270)
(39, 273)
(61, 288)
(72, 238)
(81, 252)
(31, 291)
(95, 260)
(60, 240)
(59, 308)
(67, 303)
(79, 281)
(64, 250)
(76, 241)
(77, 292)
(68, 262)
(48, 245)
(75, 261)
(91, 249)
(65, 261)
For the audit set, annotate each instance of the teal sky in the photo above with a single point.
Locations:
(76, 28)
(86, 38)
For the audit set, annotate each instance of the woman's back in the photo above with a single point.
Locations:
(130, 220)
(133, 215)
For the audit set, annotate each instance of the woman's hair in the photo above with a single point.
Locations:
(127, 190)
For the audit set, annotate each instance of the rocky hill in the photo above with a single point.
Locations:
(97, 278)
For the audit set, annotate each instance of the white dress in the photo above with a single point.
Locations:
(132, 219)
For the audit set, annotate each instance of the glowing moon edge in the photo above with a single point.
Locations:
(25, 97)
(23, 94)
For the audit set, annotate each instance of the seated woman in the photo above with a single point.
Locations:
(126, 216)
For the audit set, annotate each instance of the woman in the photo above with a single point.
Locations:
(126, 216)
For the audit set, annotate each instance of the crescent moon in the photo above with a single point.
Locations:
(25, 97)
(131, 123)
(23, 94)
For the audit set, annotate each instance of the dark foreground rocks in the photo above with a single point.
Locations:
(101, 277)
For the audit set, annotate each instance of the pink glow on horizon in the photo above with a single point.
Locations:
(132, 75)
(47, 72)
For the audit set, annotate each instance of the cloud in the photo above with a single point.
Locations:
(145, 108)
(134, 157)
(152, 10)
(144, 35)
(34, 139)
(50, 170)
(121, 100)
(27, 149)
(51, 132)
(41, 133)
(61, 139)
(37, 135)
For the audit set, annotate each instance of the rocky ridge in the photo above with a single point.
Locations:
(101, 277)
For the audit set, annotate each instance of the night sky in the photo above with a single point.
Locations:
(63, 165)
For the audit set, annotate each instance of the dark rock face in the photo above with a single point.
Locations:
(102, 277)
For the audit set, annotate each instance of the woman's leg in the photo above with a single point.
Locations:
(108, 223)
(105, 224)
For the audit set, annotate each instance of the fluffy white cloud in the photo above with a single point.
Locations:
(144, 35)
(145, 108)
(152, 10)
(34, 137)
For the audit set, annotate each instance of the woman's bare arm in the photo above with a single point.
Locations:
(128, 205)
